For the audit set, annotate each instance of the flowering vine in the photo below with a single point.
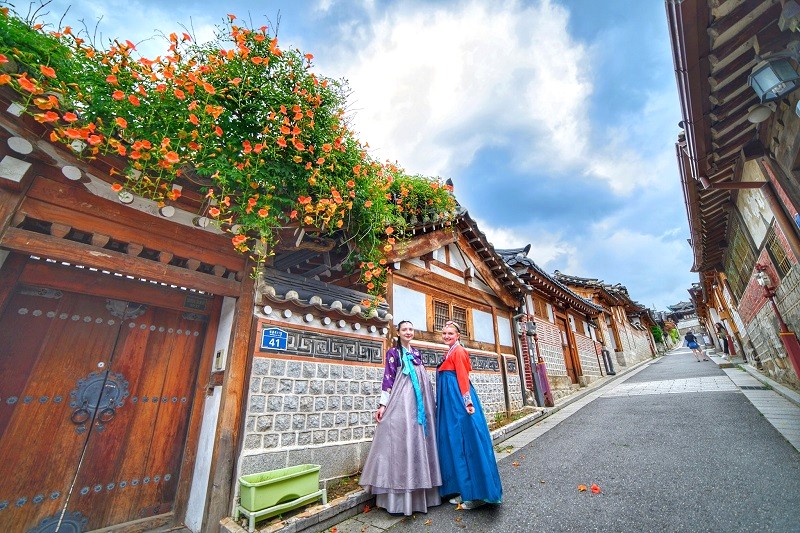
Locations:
(249, 121)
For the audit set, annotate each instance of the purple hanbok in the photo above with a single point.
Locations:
(402, 468)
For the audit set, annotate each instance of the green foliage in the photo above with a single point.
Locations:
(265, 135)
(658, 333)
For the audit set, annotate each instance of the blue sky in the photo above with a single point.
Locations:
(556, 120)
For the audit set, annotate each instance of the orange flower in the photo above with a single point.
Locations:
(26, 84)
(50, 116)
(47, 71)
(308, 220)
(263, 212)
(180, 95)
(118, 95)
(368, 203)
(121, 122)
(112, 79)
(172, 157)
(304, 199)
(213, 211)
(239, 240)
(4, 79)
(3, 59)
(389, 230)
(293, 214)
(116, 187)
(281, 142)
(133, 100)
(70, 116)
(595, 489)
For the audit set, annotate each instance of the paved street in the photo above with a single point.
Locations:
(675, 445)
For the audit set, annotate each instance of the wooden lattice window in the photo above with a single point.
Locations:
(778, 253)
(741, 260)
(540, 308)
(444, 311)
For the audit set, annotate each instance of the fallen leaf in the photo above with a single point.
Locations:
(428, 522)
(367, 508)
(582, 488)
(364, 529)
(541, 481)
(457, 519)
(334, 530)
(595, 489)
(522, 457)
(515, 463)
(458, 507)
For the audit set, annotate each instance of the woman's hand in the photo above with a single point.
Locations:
(379, 413)
(471, 409)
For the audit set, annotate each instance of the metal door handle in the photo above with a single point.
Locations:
(79, 416)
(106, 415)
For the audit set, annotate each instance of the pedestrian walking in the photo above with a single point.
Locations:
(402, 467)
(469, 469)
(691, 342)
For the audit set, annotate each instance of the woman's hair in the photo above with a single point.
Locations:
(453, 324)
(397, 343)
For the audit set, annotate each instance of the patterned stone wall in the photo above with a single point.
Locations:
(587, 351)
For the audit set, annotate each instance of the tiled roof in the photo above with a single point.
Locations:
(281, 287)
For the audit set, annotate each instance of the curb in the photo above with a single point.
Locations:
(783, 390)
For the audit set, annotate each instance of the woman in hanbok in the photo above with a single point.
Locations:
(402, 468)
(466, 456)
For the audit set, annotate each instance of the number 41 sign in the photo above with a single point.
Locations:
(273, 339)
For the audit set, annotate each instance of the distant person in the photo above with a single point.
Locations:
(722, 333)
(402, 467)
(691, 342)
(466, 455)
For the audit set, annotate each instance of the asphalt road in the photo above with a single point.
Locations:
(682, 462)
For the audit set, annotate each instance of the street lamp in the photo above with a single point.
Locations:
(788, 337)
(773, 79)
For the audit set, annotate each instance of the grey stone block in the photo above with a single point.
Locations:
(348, 372)
(291, 403)
(263, 462)
(306, 404)
(333, 435)
(298, 422)
(260, 366)
(288, 439)
(341, 419)
(257, 403)
(304, 438)
(269, 385)
(264, 423)
(312, 421)
(283, 422)
(300, 386)
(319, 404)
(286, 386)
(330, 387)
(271, 441)
(315, 386)
(347, 403)
(294, 369)
(251, 423)
(323, 371)
(255, 384)
(274, 403)
(319, 437)
(342, 387)
(252, 442)
(278, 368)
(333, 403)
(327, 420)
(309, 370)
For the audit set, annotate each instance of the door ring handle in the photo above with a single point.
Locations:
(79, 416)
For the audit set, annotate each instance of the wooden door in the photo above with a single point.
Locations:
(569, 360)
(94, 408)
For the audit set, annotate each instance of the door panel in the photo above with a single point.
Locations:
(96, 391)
(568, 361)
(140, 450)
(49, 341)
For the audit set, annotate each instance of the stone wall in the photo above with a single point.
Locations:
(587, 351)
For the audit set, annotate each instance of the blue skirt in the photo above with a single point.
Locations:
(466, 456)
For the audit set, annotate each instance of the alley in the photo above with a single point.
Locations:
(675, 445)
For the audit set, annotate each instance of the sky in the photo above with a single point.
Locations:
(555, 119)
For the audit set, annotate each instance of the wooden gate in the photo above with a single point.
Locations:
(94, 406)
(569, 360)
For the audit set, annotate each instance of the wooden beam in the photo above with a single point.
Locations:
(84, 254)
(229, 423)
(420, 245)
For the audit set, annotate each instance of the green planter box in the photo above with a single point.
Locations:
(268, 489)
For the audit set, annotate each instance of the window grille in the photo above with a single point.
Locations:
(444, 311)
(778, 253)
(741, 260)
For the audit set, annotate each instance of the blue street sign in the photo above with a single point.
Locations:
(273, 339)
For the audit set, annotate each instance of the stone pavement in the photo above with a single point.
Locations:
(778, 404)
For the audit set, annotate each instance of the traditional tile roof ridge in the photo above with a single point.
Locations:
(617, 291)
(486, 250)
(282, 287)
(519, 256)
(681, 306)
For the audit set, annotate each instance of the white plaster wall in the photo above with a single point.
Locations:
(208, 429)
(408, 304)
(483, 325)
(504, 330)
(456, 259)
(755, 212)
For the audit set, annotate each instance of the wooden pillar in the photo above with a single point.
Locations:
(230, 421)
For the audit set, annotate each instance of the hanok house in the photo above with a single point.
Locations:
(624, 325)
(124, 336)
(737, 70)
(318, 356)
(565, 336)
